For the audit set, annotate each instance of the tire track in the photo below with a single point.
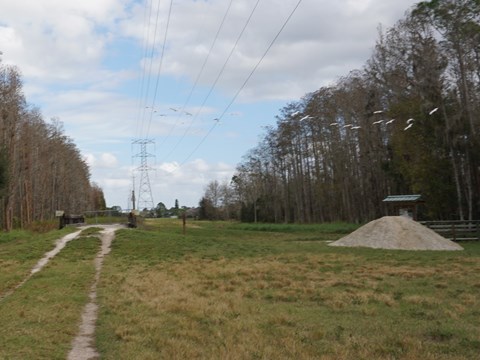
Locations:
(83, 346)
(59, 245)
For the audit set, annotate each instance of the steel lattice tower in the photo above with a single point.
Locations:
(144, 195)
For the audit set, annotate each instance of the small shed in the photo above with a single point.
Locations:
(404, 205)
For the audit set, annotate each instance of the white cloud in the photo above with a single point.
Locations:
(187, 183)
(79, 66)
(169, 182)
(169, 167)
(56, 39)
(9, 39)
(199, 165)
(320, 34)
(104, 160)
(89, 159)
(115, 184)
(64, 40)
(108, 160)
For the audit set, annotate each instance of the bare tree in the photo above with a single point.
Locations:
(41, 170)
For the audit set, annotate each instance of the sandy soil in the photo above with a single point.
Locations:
(396, 232)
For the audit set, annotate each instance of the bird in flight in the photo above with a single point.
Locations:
(306, 117)
(408, 127)
(433, 111)
(378, 112)
(378, 122)
(409, 121)
(390, 121)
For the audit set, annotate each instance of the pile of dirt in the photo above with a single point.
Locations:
(396, 232)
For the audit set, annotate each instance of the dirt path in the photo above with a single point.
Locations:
(83, 347)
(59, 245)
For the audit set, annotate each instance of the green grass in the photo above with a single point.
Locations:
(327, 228)
(20, 251)
(232, 291)
(40, 319)
(227, 290)
(94, 230)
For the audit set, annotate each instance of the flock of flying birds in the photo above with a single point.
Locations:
(307, 117)
(173, 109)
(409, 121)
(176, 110)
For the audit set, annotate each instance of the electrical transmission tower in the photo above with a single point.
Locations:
(144, 195)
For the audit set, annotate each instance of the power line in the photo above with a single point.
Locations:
(261, 59)
(244, 84)
(151, 64)
(146, 38)
(160, 66)
(145, 198)
(217, 78)
(202, 68)
(147, 25)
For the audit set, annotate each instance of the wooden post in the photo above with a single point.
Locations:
(184, 220)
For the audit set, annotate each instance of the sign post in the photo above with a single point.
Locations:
(184, 220)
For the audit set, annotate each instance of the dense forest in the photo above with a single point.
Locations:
(408, 122)
(41, 170)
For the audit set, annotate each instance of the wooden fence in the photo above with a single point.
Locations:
(456, 230)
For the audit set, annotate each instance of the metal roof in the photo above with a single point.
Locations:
(403, 198)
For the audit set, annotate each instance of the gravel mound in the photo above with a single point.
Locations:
(396, 232)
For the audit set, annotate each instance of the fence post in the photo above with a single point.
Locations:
(184, 221)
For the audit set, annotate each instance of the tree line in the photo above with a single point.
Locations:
(408, 122)
(41, 169)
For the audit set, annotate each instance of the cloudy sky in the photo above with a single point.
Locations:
(175, 73)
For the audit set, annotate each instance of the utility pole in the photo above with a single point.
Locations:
(145, 198)
(132, 197)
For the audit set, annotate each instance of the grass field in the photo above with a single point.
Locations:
(236, 291)
(230, 291)
(20, 251)
(40, 319)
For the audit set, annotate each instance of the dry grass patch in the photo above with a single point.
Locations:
(227, 300)
(241, 309)
(229, 309)
(424, 301)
